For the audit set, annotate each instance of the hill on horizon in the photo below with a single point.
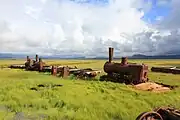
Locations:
(135, 56)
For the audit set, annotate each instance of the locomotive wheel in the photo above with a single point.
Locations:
(105, 78)
(102, 78)
(149, 116)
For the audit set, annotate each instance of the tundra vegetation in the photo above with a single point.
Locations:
(34, 95)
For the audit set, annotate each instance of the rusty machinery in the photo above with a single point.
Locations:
(173, 70)
(34, 65)
(124, 72)
(63, 71)
(39, 65)
(161, 113)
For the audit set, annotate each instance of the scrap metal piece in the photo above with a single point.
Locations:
(40, 66)
(54, 71)
(65, 72)
(17, 66)
(161, 113)
(84, 73)
(173, 70)
(168, 113)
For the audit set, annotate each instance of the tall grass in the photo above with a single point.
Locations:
(73, 99)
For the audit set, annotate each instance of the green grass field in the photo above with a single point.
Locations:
(79, 99)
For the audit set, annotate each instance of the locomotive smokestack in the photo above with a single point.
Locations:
(27, 58)
(124, 61)
(111, 50)
(40, 59)
(36, 58)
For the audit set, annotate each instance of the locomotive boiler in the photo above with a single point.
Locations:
(124, 72)
(34, 65)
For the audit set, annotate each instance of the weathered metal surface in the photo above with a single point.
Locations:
(85, 73)
(17, 66)
(40, 65)
(54, 71)
(34, 65)
(168, 113)
(172, 70)
(162, 113)
(125, 72)
(149, 116)
(63, 71)
(111, 51)
(37, 57)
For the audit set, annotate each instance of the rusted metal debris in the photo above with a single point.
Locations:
(54, 70)
(34, 65)
(172, 70)
(62, 71)
(124, 72)
(85, 73)
(65, 72)
(161, 113)
(17, 66)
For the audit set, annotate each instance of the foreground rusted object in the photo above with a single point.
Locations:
(172, 70)
(62, 71)
(149, 116)
(124, 72)
(162, 113)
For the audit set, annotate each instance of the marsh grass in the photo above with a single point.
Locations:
(78, 99)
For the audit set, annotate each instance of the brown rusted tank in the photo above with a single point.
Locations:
(125, 72)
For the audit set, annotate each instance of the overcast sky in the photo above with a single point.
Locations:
(89, 27)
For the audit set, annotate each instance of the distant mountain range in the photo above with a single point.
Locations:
(23, 56)
(171, 56)
(136, 56)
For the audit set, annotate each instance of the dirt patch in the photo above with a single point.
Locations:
(57, 85)
(54, 85)
(41, 85)
(45, 86)
(154, 87)
(35, 89)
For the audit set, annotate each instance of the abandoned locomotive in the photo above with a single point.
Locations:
(124, 72)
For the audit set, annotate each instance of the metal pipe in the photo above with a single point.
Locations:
(124, 61)
(37, 58)
(27, 58)
(111, 50)
(40, 60)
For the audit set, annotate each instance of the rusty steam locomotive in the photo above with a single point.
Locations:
(124, 72)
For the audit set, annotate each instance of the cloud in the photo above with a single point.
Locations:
(163, 2)
(67, 27)
(171, 21)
